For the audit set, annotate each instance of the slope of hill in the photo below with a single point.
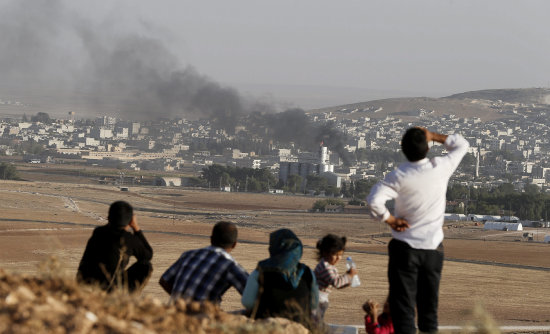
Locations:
(485, 104)
(524, 95)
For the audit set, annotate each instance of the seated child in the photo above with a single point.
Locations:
(377, 324)
(330, 251)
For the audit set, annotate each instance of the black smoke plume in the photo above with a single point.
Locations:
(295, 126)
(45, 45)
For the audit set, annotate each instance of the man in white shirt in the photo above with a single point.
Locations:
(416, 252)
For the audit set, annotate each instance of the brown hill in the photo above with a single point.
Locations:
(469, 104)
(523, 95)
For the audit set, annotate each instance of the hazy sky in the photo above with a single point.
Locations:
(406, 45)
(419, 47)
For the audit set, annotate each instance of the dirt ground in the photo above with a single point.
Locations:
(40, 219)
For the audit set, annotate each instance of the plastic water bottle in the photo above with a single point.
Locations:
(355, 282)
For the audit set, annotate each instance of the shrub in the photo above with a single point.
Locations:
(321, 204)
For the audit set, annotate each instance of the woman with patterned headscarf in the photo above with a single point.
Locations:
(281, 286)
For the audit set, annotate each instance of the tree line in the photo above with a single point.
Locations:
(238, 178)
(531, 204)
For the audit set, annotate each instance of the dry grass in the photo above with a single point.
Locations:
(53, 304)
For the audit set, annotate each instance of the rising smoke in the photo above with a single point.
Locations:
(293, 125)
(45, 45)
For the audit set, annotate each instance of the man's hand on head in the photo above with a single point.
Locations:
(134, 224)
(397, 224)
(434, 136)
(428, 134)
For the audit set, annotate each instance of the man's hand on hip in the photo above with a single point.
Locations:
(397, 224)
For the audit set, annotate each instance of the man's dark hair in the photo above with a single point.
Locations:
(224, 234)
(120, 214)
(414, 144)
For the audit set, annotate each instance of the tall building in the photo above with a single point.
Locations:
(477, 162)
(307, 164)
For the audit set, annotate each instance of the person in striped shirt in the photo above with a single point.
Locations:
(207, 273)
(330, 251)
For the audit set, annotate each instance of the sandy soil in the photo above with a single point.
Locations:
(41, 219)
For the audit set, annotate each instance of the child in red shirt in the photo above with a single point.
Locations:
(380, 324)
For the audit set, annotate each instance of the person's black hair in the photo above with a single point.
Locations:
(330, 244)
(414, 144)
(120, 214)
(224, 234)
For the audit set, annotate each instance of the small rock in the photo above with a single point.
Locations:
(21, 294)
(90, 316)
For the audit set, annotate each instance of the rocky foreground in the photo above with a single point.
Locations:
(50, 304)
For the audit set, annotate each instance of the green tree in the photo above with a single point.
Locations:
(317, 183)
(254, 185)
(468, 163)
(243, 179)
(321, 204)
(363, 187)
(294, 183)
(506, 189)
(457, 192)
(8, 172)
(356, 202)
(226, 179)
(331, 191)
(531, 189)
(195, 182)
(344, 190)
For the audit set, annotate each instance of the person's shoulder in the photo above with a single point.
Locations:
(321, 265)
(220, 253)
(303, 265)
(103, 229)
(306, 268)
(192, 252)
(398, 173)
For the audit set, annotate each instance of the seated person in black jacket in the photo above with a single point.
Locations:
(109, 250)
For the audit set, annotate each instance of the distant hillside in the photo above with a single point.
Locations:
(484, 104)
(411, 108)
(524, 95)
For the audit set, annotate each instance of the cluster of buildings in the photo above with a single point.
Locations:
(514, 149)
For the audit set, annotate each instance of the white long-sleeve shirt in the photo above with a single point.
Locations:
(419, 189)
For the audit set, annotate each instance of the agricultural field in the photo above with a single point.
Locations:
(499, 270)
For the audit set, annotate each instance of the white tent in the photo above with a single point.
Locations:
(547, 239)
(475, 218)
(500, 226)
(455, 217)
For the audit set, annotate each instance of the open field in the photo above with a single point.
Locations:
(40, 219)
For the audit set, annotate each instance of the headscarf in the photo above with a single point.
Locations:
(285, 250)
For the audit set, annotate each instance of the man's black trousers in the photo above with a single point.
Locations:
(414, 276)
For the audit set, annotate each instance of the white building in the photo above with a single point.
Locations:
(101, 133)
(92, 142)
(455, 217)
(501, 226)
